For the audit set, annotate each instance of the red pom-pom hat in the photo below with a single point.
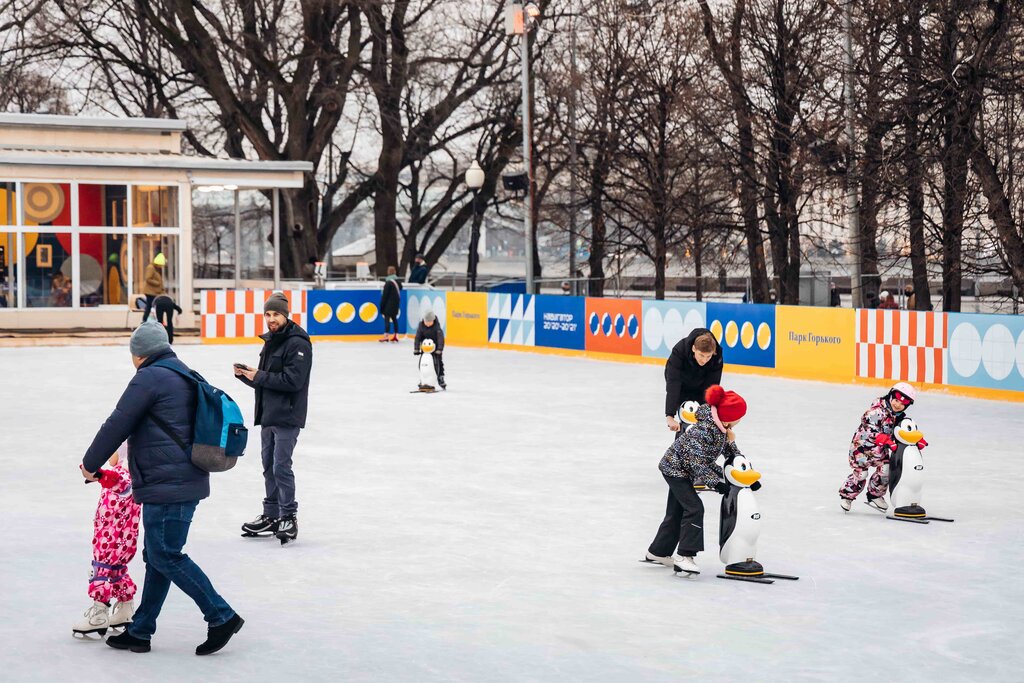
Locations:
(729, 404)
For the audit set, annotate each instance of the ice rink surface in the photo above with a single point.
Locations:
(492, 533)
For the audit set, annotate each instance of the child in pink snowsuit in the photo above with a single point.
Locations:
(870, 447)
(114, 541)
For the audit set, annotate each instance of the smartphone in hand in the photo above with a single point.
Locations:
(242, 366)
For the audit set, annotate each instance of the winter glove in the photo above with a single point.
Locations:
(883, 439)
(755, 486)
(722, 487)
(108, 478)
(921, 444)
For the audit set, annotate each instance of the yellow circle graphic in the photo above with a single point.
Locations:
(346, 312)
(732, 333)
(747, 335)
(43, 202)
(322, 312)
(764, 336)
(368, 312)
(716, 329)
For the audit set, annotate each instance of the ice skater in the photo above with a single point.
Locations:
(115, 537)
(870, 447)
(689, 461)
(390, 305)
(430, 329)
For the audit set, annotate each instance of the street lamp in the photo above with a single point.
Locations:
(474, 180)
(520, 20)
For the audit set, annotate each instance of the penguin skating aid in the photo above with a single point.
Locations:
(687, 418)
(740, 525)
(428, 372)
(906, 475)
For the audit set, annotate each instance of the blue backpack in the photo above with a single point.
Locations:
(219, 435)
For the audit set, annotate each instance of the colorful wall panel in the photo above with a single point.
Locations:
(902, 345)
(560, 322)
(986, 351)
(613, 326)
(227, 314)
(816, 343)
(511, 319)
(745, 331)
(419, 301)
(467, 317)
(345, 311)
(666, 322)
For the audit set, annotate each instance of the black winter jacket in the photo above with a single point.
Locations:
(161, 471)
(693, 455)
(685, 379)
(282, 382)
(391, 298)
(433, 332)
(419, 273)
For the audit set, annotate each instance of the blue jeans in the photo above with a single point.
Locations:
(166, 530)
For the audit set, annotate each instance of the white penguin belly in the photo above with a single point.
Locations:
(742, 542)
(428, 376)
(911, 482)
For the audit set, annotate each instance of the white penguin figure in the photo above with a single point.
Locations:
(428, 373)
(740, 519)
(687, 415)
(906, 471)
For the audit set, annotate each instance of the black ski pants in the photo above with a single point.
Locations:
(165, 316)
(684, 521)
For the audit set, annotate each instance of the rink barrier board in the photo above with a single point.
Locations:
(978, 355)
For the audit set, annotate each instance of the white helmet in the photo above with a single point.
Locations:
(906, 389)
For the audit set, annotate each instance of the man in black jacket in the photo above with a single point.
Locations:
(282, 392)
(419, 273)
(155, 413)
(694, 365)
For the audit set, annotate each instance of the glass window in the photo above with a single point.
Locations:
(154, 206)
(46, 204)
(47, 269)
(102, 206)
(8, 204)
(102, 269)
(8, 270)
(155, 265)
(213, 235)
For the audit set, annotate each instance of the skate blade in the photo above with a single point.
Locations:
(687, 572)
(261, 534)
(787, 577)
(884, 512)
(89, 635)
(908, 519)
(644, 560)
(748, 579)
(939, 519)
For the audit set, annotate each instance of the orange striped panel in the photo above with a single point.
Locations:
(887, 360)
(912, 328)
(929, 330)
(904, 362)
(260, 329)
(211, 301)
(879, 326)
(220, 325)
(871, 361)
(938, 366)
(895, 318)
(205, 332)
(229, 298)
(249, 303)
(862, 328)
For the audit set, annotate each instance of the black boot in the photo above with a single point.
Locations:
(127, 641)
(260, 527)
(288, 529)
(218, 636)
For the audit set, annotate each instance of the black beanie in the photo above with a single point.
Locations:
(276, 302)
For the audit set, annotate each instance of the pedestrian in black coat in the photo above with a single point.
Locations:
(282, 394)
(391, 304)
(694, 365)
(420, 271)
(165, 309)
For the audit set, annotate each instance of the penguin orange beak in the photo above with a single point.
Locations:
(690, 418)
(911, 437)
(746, 477)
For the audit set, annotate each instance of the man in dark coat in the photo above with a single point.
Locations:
(694, 365)
(419, 273)
(282, 393)
(155, 414)
(390, 304)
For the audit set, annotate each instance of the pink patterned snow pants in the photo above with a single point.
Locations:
(854, 484)
(114, 540)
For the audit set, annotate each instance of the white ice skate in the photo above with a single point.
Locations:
(685, 564)
(122, 614)
(878, 503)
(657, 559)
(94, 622)
(845, 503)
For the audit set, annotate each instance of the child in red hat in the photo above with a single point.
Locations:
(688, 461)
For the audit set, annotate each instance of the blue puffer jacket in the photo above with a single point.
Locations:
(161, 471)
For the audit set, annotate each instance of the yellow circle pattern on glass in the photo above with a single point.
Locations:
(368, 312)
(747, 334)
(764, 336)
(346, 312)
(322, 312)
(732, 333)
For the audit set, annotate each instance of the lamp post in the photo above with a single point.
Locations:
(520, 20)
(474, 181)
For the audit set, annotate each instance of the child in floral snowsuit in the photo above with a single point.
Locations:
(114, 541)
(870, 447)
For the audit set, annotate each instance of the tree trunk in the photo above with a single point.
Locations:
(999, 209)
(660, 261)
(954, 191)
(597, 236)
(869, 205)
(299, 248)
(915, 209)
(698, 266)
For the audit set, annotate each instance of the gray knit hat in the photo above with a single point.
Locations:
(148, 339)
(277, 302)
(429, 316)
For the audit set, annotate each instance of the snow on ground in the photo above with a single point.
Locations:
(492, 533)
